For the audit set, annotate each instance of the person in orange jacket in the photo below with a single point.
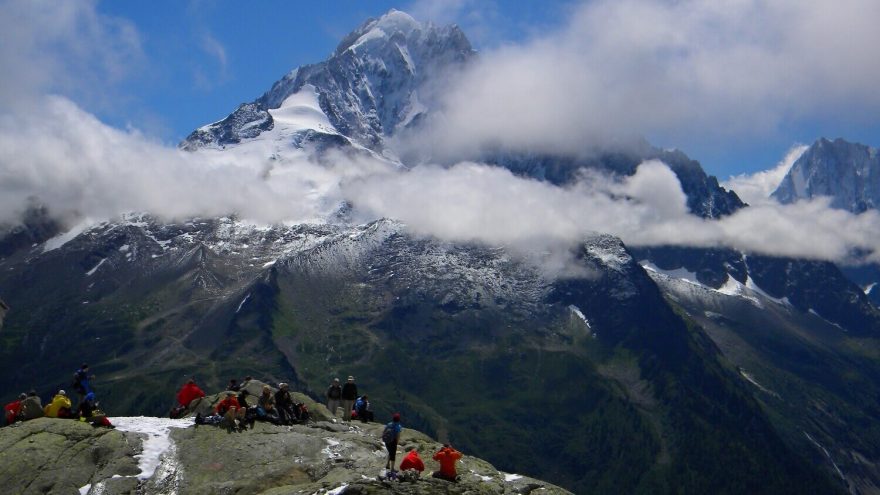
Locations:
(447, 457)
(412, 461)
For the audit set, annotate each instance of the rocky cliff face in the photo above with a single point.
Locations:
(848, 173)
(148, 456)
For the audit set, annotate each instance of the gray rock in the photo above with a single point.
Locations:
(61, 456)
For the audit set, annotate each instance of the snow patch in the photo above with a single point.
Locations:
(749, 378)
(678, 273)
(869, 288)
(158, 441)
(511, 477)
(828, 455)
(248, 296)
(93, 270)
(826, 320)
(62, 239)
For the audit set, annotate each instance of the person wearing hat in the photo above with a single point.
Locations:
(349, 395)
(334, 397)
(390, 437)
(12, 411)
(60, 407)
(32, 407)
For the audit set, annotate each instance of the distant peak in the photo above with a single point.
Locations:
(391, 23)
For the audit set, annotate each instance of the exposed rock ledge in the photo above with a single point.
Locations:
(51, 456)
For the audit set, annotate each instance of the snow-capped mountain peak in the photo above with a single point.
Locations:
(379, 80)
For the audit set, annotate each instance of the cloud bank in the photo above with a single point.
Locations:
(54, 150)
(676, 71)
(756, 188)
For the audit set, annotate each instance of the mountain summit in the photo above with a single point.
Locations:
(847, 172)
(380, 79)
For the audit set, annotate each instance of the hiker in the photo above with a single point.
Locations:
(81, 383)
(12, 411)
(363, 410)
(233, 415)
(32, 407)
(266, 410)
(88, 412)
(87, 406)
(188, 393)
(447, 457)
(349, 395)
(60, 407)
(284, 404)
(233, 385)
(412, 462)
(334, 397)
(390, 436)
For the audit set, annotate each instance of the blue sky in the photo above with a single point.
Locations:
(203, 58)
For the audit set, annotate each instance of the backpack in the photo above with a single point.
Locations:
(389, 434)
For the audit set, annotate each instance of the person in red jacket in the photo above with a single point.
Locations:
(12, 411)
(189, 392)
(412, 461)
(447, 457)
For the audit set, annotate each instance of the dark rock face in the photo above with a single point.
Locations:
(848, 173)
(463, 340)
(247, 121)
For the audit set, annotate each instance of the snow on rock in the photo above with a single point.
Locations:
(93, 270)
(62, 239)
(678, 273)
(158, 441)
(869, 288)
(511, 477)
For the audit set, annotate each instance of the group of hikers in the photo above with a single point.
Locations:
(239, 409)
(29, 406)
(235, 410)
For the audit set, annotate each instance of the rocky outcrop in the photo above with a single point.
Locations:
(67, 457)
(54, 456)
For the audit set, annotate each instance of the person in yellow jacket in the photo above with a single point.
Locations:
(59, 407)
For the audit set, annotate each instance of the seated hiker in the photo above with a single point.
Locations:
(188, 393)
(284, 404)
(32, 407)
(390, 437)
(266, 410)
(81, 381)
(447, 457)
(86, 407)
(233, 415)
(89, 412)
(301, 412)
(412, 461)
(362, 409)
(233, 385)
(250, 411)
(60, 407)
(12, 411)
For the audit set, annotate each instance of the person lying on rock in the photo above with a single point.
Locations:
(60, 407)
(447, 457)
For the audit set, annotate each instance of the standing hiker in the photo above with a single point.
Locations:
(334, 397)
(390, 437)
(82, 381)
(349, 395)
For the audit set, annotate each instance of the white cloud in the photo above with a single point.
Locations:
(678, 71)
(63, 47)
(54, 150)
(756, 188)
